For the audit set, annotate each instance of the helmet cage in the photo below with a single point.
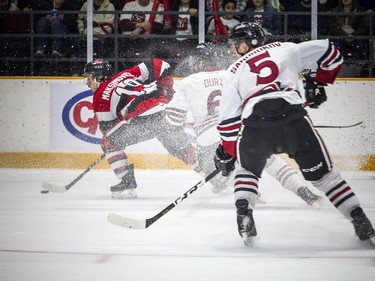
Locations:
(99, 69)
(250, 33)
(205, 57)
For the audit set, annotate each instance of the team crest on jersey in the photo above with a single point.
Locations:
(138, 18)
(78, 118)
(182, 23)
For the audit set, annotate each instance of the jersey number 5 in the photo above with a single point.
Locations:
(260, 62)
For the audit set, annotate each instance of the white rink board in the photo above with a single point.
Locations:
(26, 110)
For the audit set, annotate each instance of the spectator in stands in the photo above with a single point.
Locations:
(103, 24)
(119, 4)
(277, 5)
(284, 4)
(54, 23)
(301, 24)
(260, 12)
(229, 20)
(20, 5)
(349, 26)
(369, 6)
(184, 24)
(240, 6)
(134, 22)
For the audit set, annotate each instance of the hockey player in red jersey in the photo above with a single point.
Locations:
(262, 113)
(129, 107)
(200, 94)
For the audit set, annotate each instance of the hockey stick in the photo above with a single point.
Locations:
(334, 126)
(64, 188)
(144, 223)
(339, 127)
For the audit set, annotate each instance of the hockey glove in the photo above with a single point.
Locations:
(224, 161)
(165, 86)
(315, 93)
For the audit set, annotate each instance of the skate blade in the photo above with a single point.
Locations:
(248, 240)
(316, 203)
(127, 194)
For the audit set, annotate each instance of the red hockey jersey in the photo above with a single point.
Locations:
(125, 96)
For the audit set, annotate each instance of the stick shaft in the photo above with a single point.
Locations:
(145, 223)
(89, 168)
(338, 127)
(64, 188)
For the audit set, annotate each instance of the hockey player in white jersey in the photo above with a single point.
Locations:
(200, 94)
(262, 113)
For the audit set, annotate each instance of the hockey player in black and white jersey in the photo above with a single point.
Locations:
(262, 113)
(200, 94)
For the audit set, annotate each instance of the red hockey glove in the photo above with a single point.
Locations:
(315, 93)
(224, 161)
(165, 86)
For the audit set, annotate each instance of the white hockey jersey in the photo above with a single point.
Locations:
(199, 94)
(270, 72)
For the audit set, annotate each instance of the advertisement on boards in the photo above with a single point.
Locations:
(73, 123)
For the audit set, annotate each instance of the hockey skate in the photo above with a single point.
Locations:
(362, 226)
(307, 195)
(245, 222)
(126, 189)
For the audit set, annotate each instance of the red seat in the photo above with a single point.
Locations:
(16, 23)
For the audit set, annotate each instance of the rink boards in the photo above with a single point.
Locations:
(144, 161)
(48, 123)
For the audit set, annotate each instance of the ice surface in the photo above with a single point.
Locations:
(65, 237)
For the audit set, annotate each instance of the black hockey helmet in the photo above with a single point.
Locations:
(209, 56)
(101, 70)
(251, 32)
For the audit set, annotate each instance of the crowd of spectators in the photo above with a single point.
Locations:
(57, 45)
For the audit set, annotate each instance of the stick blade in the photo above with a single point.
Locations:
(54, 188)
(126, 222)
(371, 242)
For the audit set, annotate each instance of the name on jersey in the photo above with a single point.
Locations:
(213, 82)
(106, 95)
(253, 52)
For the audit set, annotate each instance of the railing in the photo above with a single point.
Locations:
(17, 48)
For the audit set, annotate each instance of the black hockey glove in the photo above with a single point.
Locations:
(224, 161)
(315, 93)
